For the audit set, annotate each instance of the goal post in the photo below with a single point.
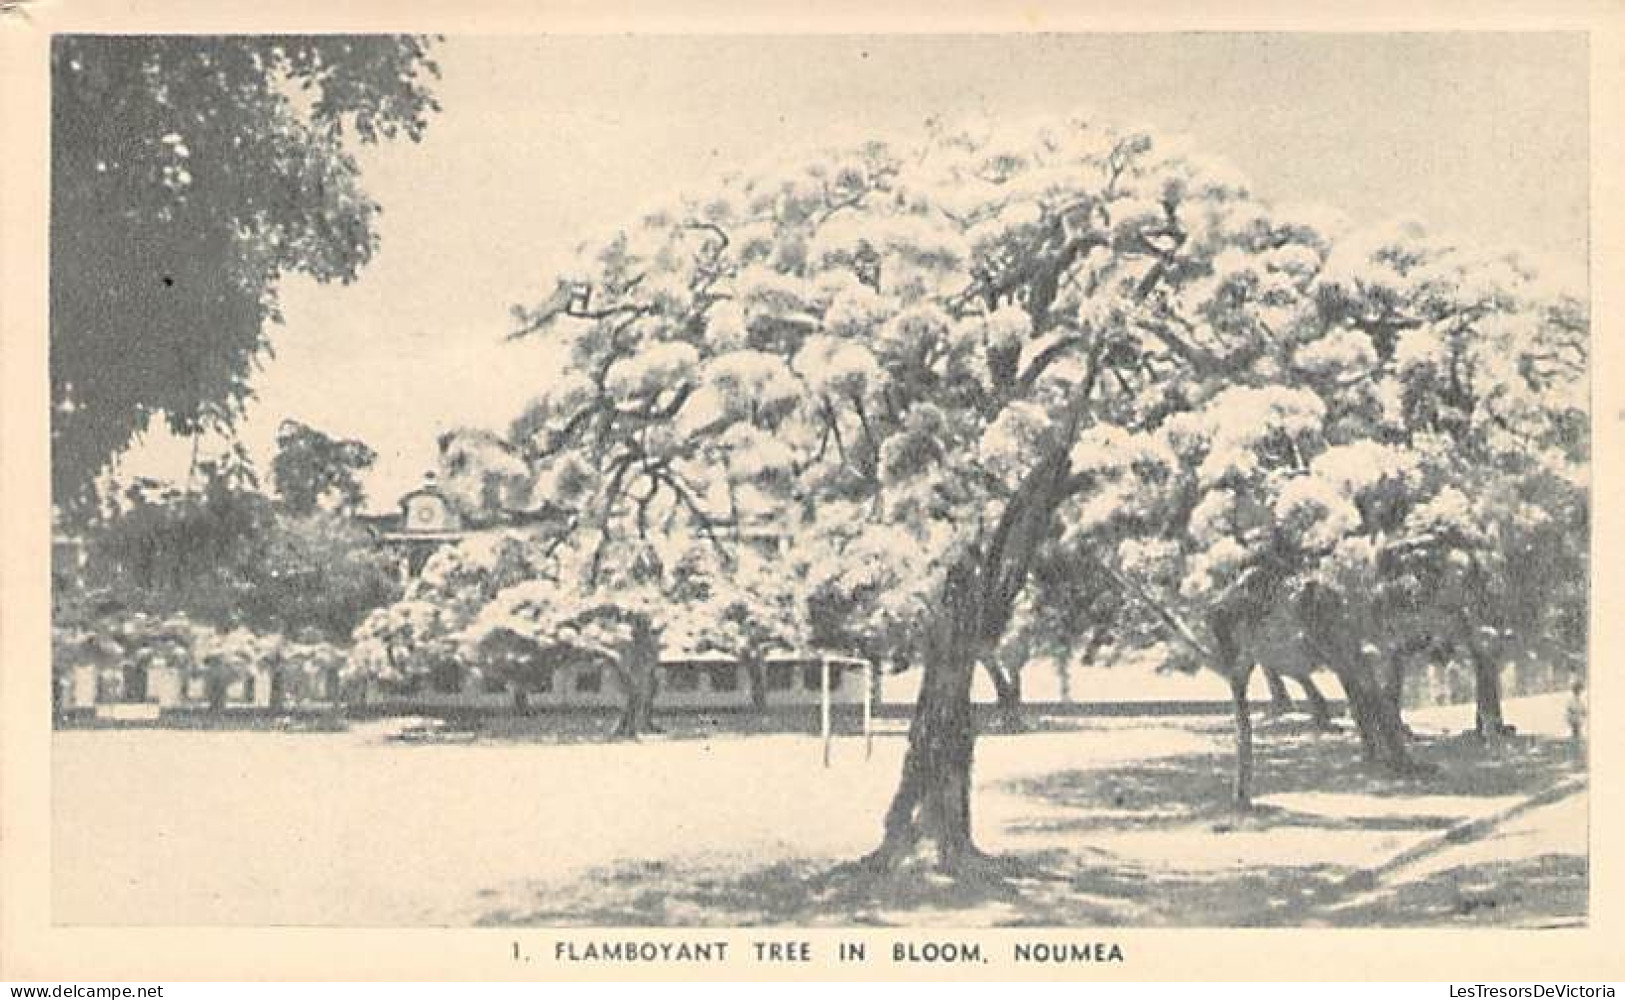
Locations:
(826, 727)
(824, 706)
(868, 709)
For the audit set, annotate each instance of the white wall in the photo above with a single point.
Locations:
(164, 686)
(83, 693)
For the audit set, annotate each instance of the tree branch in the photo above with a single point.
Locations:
(1169, 617)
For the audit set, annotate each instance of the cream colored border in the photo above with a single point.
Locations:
(30, 948)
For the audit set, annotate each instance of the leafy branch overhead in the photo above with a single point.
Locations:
(190, 176)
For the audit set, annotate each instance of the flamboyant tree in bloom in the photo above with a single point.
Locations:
(898, 350)
(1489, 373)
(625, 603)
(1234, 525)
(1466, 466)
(1315, 509)
(928, 365)
(610, 617)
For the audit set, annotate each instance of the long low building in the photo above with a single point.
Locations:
(132, 691)
(684, 682)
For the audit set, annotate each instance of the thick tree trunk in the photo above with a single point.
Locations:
(521, 700)
(1280, 701)
(1335, 641)
(1319, 711)
(279, 688)
(1007, 689)
(637, 706)
(1393, 739)
(1383, 739)
(638, 674)
(1010, 703)
(1394, 683)
(215, 690)
(933, 796)
(932, 801)
(1242, 789)
(1491, 723)
(977, 597)
(755, 681)
(1359, 710)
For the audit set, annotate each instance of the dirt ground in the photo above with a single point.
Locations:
(1105, 822)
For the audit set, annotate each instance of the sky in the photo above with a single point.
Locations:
(548, 141)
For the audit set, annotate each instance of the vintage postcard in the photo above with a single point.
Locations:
(498, 493)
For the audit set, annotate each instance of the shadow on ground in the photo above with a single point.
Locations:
(1068, 882)
(1043, 889)
(1290, 758)
(1546, 891)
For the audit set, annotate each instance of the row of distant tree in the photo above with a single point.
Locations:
(224, 583)
(221, 550)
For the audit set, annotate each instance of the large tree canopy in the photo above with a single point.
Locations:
(934, 366)
(894, 352)
(189, 174)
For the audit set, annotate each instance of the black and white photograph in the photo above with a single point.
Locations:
(1055, 480)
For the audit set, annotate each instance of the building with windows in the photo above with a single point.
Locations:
(685, 682)
(139, 683)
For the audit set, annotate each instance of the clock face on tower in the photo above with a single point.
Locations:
(426, 513)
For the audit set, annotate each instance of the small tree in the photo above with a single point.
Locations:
(224, 554)
(221, 658)
(316, 665)
(747, 605)
(400, 645)
(619, 604)
(613, 616)
(312, 470)
(321, 572)
(405, 642)
(162, 550)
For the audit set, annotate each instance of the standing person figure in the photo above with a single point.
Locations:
(1577, 717)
